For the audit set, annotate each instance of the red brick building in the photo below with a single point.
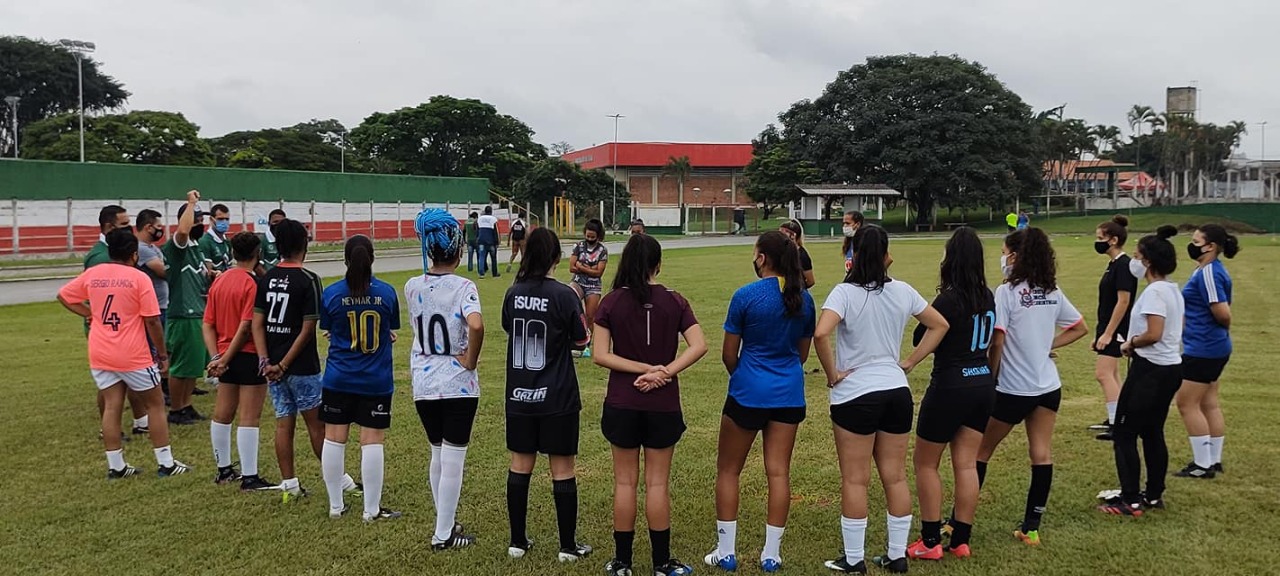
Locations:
(716, 168)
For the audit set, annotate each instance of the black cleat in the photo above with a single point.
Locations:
(672, 567)
(1152, 503)
(176, 469)
(1217, 468)
(226, 475)
(456, 540)
(897, 566)
(1105, 425)
(383, 514)
(255, 483)
(141, 431)
(125, 472)
(516, 551)
(1117, 507)
(577, 552)
(1193, 471)
(198, 391)
(617, 567)
(1105, 436)
(842, 564)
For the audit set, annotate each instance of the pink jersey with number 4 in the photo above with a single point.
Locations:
(120, 297)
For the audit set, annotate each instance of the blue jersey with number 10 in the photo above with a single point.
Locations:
(359, 327)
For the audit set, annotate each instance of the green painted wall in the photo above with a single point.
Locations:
(43, 180)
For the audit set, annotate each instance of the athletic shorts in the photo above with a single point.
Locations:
(757, 418)
(242, 370)
(1012, 409)
(187, 355)
(294, 394)
(588, 287)
(1112, 349)
(944, 410)
(136, 380)
(1203, 370)
(551, 435)
(630, 429)
(448, 420)
(343, 408)
(887, 411)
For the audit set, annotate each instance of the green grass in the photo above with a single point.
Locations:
(59, 516)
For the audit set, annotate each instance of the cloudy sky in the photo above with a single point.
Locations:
(697, 70)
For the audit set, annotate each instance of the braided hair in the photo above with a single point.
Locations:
(441, 236)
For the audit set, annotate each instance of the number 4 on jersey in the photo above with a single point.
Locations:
(110, 318)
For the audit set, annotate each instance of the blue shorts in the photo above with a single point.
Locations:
(296, 394)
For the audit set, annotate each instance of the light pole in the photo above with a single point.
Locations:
(12, 101)
(1264, 140)
(78, 49)
(616, 117)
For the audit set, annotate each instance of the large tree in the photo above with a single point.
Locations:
(774, 171)
(313, 145)
(941, 129)
(448, 136)
(138, 137)
(553, 177)
(44, 76)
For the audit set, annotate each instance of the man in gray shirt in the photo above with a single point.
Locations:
(150, 231)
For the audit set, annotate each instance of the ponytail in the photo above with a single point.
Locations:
(1228, 244)
(440, 235)
(640, 259)
(358, 254)
(871, 246)
(783, 258)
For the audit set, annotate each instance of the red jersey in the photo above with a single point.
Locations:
(231, 302)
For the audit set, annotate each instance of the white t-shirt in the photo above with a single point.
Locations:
(487, 221)
(1162, 299)
(869, 336)
(1030, 319)
(438, 309)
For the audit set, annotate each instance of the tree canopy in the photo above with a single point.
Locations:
(553, 177)
(774, 171)
(139, 137)
(313, 145)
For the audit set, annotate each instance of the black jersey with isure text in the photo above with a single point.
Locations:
(1115, 280)
(288, 295)
(961, 358)
(544, 322)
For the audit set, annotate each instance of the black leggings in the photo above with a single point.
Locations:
(1141, 413)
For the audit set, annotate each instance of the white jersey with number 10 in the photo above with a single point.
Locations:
(438, 309)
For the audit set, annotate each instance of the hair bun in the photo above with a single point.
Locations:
(1121, 219)
(1166, 232)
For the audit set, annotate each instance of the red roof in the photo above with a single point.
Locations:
(657, 154)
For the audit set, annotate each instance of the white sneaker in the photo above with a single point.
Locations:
(350, 486)
(518, 552)
(338, 512)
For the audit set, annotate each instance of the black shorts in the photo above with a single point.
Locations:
(448, 420)
(757, 418)
(626, 428)
(242, 370)
(344, 408)
(1012, 409)
(1112, 349)
(887, 411)
(1203, 370)
(551, 435)
(944, 410)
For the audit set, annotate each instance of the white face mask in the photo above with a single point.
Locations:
(1005, 268)
(1137, 268)
(849, 231)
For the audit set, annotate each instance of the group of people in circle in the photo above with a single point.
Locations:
(993, 370)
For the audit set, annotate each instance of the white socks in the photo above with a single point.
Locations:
(434, 475)
(1111, 412)
(899, 529)
(727, 533)
(220, 438)
(1215, 449)
(115, 459)
(772, 543)
(448, 489)
(332, 459)
(142, 422)
(247, 445)
(854, 531)
(371, 468)
(1201, 451)
(164, 456)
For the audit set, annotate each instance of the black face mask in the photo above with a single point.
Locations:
(196, 232)
(756, 265)
(157, 234)
(1101, 247)
(1195, 252)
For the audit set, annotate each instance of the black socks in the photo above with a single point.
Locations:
(661, 541)
(565, 493)
(518, 507)
(982, 472)
(1037, 496)
(622, 545)
(960, 533)
(931, 533)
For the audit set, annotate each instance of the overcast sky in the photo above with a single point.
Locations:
(698, 70)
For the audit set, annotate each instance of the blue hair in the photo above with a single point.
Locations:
(440, 234)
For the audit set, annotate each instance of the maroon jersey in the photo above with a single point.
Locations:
(649, 333)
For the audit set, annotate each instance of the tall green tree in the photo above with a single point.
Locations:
(44, 76)
(553, 177)
(941, 129)
(680, 169)
(774, 171)
(448, 136)
(138, 137)
(294, 148)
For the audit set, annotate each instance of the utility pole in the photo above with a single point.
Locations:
(78, 49)
(614, 218)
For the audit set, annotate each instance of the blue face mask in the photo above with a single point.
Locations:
(221, 226)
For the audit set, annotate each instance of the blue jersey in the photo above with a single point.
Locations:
(1202, 335)
(360, 360)
(769, 373)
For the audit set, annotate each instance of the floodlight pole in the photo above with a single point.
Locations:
(614, 218)
(78, 49)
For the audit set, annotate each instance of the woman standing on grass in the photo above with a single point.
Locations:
(958, 402)
(587, 264)
(767, 333)
(795, 232)
(637, 333)
(871, 402)
(1116, 293)
(544, 323)
(1033, 318)
(1206, 340)
(1155, 373)
(448, 331)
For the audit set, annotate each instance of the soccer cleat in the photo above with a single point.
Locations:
(1105, 425)
(176, 469)
(141, 430)
(575, 553)
(919, 551)
(1118, 507)
(518, 552)
(672, 567)
(727, 563)
(226, 475)
(255, 483)
(617, 567)
(338, 512)
(576, 353)
(842, 564)
(1105, 436)
(897, 565)
(383, 514)
(1193, 471)
(125, 472)
(770, 564)
(1031, 538)
(352, 487)
(288, 495)
(456, 540)
(192, 414)
(1217, 468)
(961, 551)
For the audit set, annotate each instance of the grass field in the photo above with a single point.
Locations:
(59, 516)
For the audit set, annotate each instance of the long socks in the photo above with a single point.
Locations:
(332, 462)
(518, 507)
(772, 543)
(450, 489)
(899, 530)
(854, 531)
(115, 459)
(433, 475)
(247, 446)
(1037, 496)
(623, 546)
(661, 542)
(1215, 449)
(565, 493)
(371, 470)
(1202, 450)
(220, 438)
(726, 538)
(164, 456)
(1111, 412)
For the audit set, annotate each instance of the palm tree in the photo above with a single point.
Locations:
(680, 168)
(1105, 137)
(1137, 116)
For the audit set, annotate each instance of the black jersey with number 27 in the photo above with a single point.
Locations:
(544, 322)
(287, 296)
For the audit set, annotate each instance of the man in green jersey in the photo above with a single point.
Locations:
(270, 254)
(188, 284)
(112, 217)
(213, 244)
